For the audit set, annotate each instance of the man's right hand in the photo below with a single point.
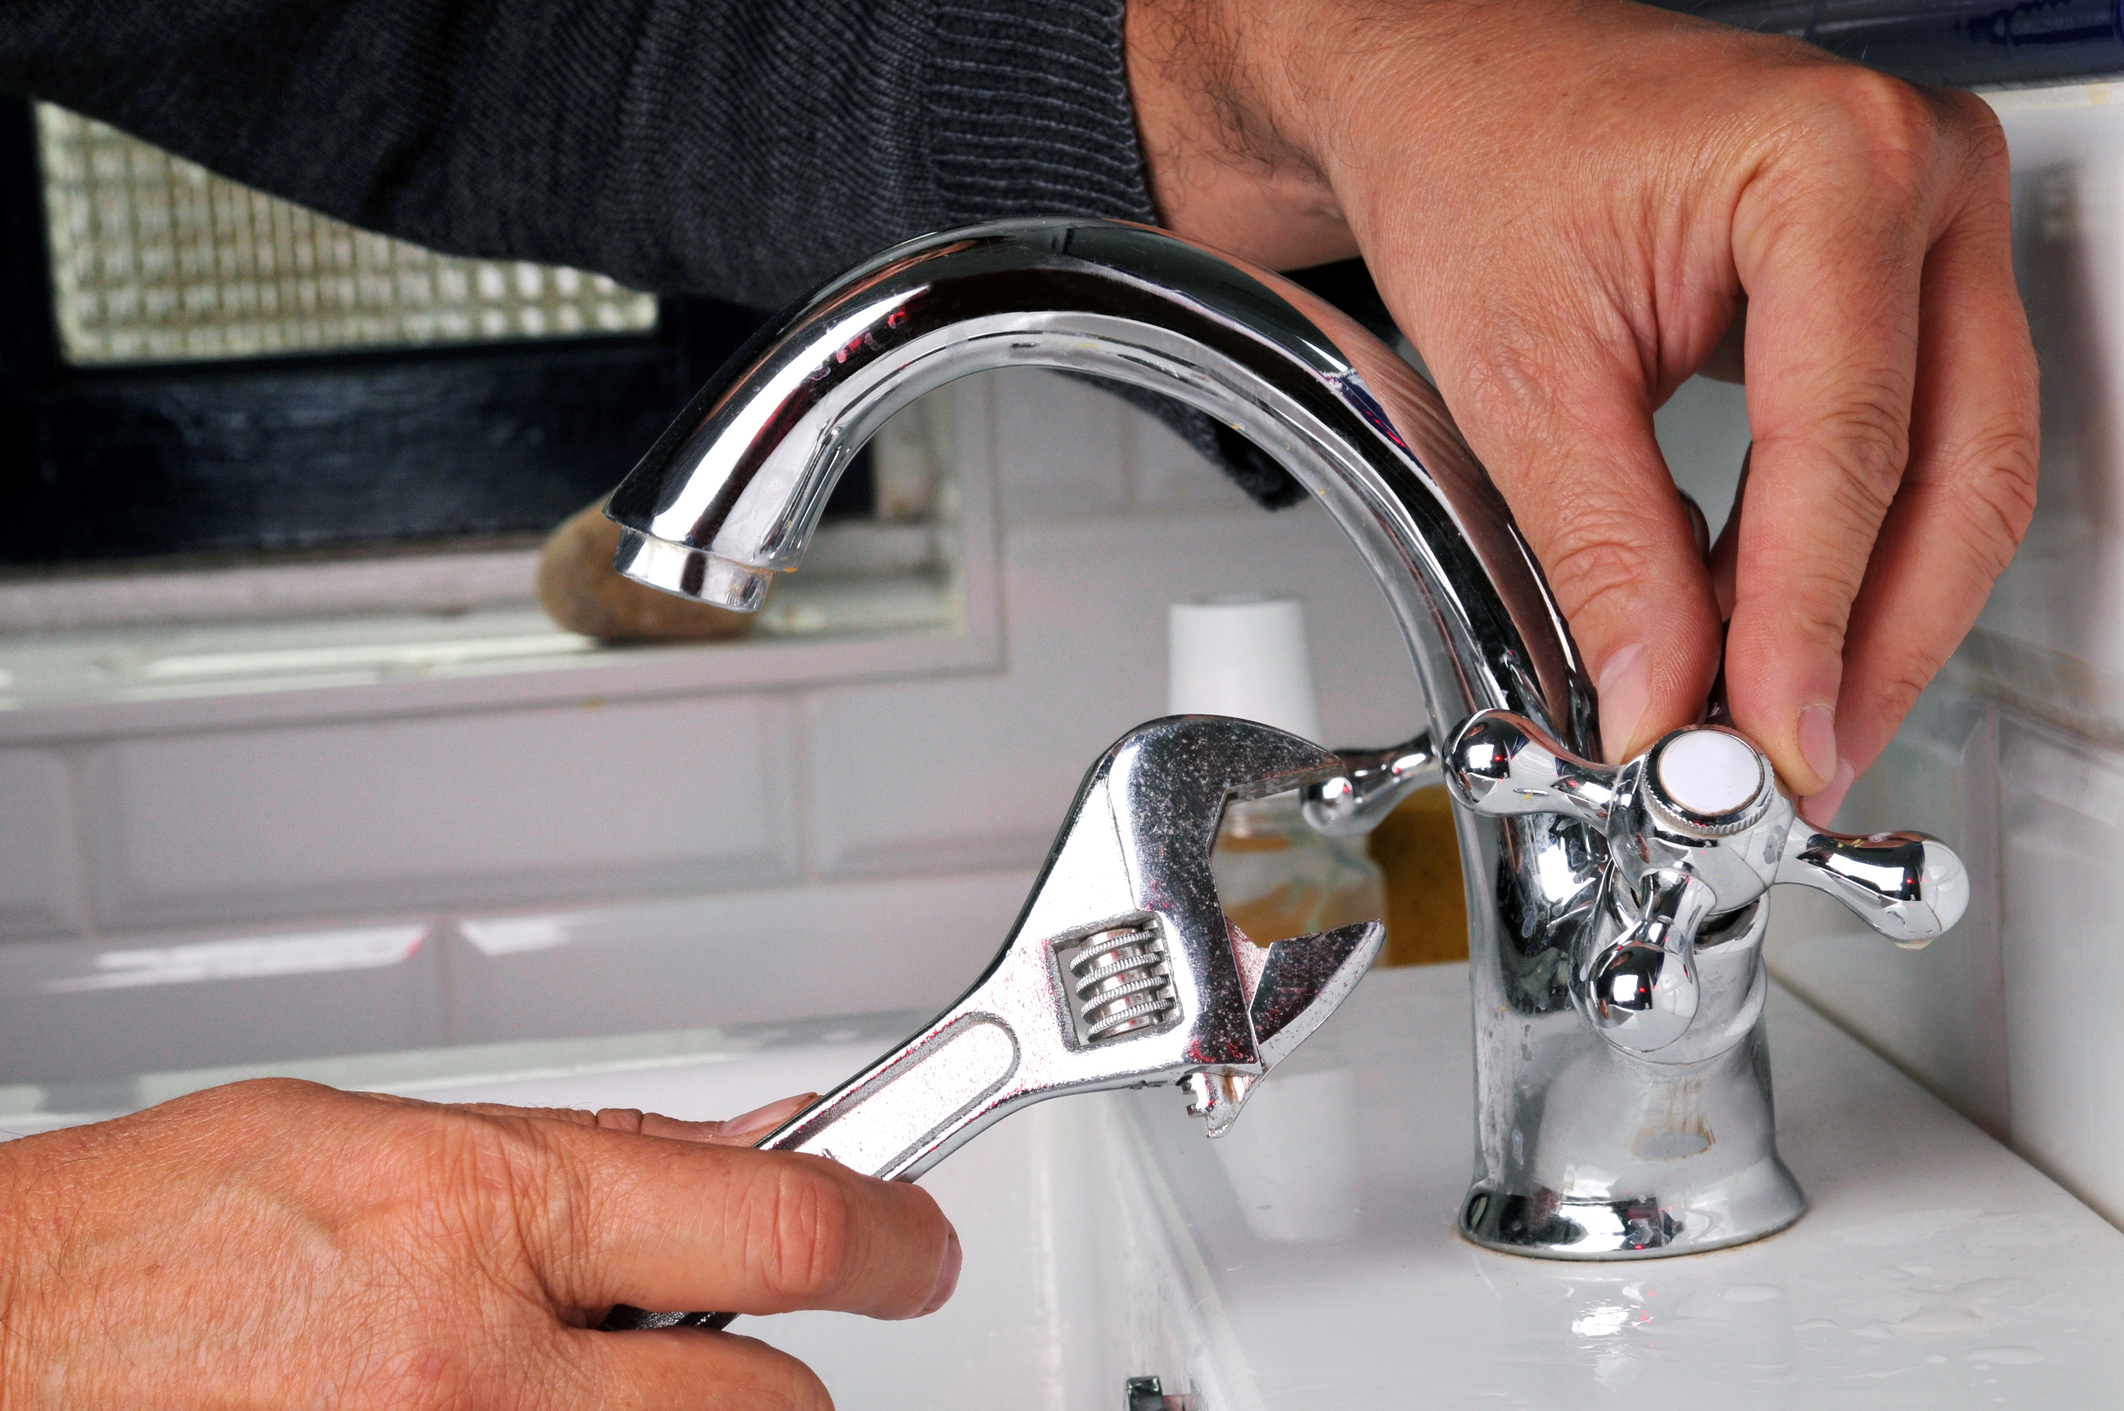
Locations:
(279, 1244)
(1570, 206)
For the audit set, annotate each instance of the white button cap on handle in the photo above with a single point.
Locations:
(1710, 772)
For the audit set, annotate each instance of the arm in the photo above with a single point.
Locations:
(1570, 207)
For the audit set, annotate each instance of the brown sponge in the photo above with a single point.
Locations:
(579, 590)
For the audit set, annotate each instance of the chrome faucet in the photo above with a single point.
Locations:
(1623, 1097)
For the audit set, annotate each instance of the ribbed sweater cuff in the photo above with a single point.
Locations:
(1029, 114)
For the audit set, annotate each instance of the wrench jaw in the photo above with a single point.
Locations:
(1129, 877)
(1292, 986)
(1241, 1007)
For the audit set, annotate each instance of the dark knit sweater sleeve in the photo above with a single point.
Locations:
(744, 148)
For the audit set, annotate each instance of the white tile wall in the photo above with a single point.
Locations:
(2063, 817)
(922, 776)
(532, 805)
(42, 881)
(83, 1011)
(1938, 1013)
(78, 1012)
(2066, 590)
(732, 958)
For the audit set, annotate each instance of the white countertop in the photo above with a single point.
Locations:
(1309, 1259)
(1933, 1268)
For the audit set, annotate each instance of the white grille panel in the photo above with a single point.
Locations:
(155, 259)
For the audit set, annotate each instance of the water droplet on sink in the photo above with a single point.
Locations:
(1753, 1293)
(2004, 1356)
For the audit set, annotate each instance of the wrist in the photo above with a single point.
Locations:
(1229, 156)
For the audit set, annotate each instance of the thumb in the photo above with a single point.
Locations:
(682, 1224)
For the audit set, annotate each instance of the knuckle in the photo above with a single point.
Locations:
(1973, 123)
(1821, 616)
(273, 1092)
(254, 1104)
(491, 1188)
(1998, 496)
(811, 1244)
(1508, 379)
(616, 1119)
(1550, 358)
(1846, 131)
(797, 1387)
(1856, 501)
(1603, 553)
(774, 1381)
(1864, 441)
(1595, 570)
(1890, 119)
(1810, 609)
(1983, 135)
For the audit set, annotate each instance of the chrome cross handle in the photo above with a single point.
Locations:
(1697, 829)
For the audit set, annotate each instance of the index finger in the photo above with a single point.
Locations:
(746, 1129)
(1830, 244)
(678, 1224)
(1970, 491)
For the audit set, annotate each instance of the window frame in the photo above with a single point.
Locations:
(453, 648)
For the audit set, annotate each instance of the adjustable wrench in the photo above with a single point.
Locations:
(1122, 971)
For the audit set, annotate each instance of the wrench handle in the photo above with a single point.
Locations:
(625, 1317)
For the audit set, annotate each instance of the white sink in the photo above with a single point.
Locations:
(1309, 1259)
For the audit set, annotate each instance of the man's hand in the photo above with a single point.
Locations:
(1569, 205)
(278, 1244)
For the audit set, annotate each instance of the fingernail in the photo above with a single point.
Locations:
(762, 1120)
(1625, 687)
(1817, 740)
(947, 1277)
(1820, 809)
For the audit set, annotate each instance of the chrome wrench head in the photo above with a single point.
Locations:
(1122, 970)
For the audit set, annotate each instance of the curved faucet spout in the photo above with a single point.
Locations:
(732, 492)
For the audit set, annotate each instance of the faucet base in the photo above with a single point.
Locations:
(1545, 1224)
